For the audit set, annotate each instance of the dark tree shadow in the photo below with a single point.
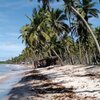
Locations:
(33, 77)
(89, 91)
(43, 86)
(86, 75)
(90, 71)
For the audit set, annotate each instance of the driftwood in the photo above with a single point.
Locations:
(46, 62)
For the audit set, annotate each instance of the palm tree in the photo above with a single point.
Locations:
(48, 33)
(71, 4)
(56, 19)
(44, 26)
(25, 34)
(87, 10)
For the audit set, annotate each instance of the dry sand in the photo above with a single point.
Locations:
(70, 82)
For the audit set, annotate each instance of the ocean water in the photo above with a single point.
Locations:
(8, 68)
(9, 76)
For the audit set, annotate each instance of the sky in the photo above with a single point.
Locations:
(12, 18)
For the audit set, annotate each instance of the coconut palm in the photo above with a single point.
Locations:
(71, 4)
(56, 19)
(48, 34)
(44, 26)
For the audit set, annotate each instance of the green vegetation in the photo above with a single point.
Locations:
(65, 33)
(3, 62)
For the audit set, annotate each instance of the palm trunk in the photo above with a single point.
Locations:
(97, 44)
(49, 53)
(87, 59)
(80, 53)
(70, 56)
(61, 56)
(58, 57)
(96, 62)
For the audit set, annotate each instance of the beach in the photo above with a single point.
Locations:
(70, 82)
(10, 74)
(49, 50)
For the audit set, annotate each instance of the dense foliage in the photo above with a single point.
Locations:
(66, 33)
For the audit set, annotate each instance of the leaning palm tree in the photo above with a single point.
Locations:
(71, 4)
(25, 30)
(56, 22)
(44, 26)
(87, 10)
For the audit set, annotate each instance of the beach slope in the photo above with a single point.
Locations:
(70, 82)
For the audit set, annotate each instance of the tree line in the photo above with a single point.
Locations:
(66, 33)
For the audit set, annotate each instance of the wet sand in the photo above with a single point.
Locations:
(9, 78)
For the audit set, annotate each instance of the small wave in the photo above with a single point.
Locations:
(11, 73)
(8, 75)
(2, 77)
(17, 67)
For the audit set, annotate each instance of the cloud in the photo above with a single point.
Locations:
(8, 50)
(11, 47)
(13, 37)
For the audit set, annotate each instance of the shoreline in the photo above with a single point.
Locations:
(53, 83)
(9, 79)
(23, 70)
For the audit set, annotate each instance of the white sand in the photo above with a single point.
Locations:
(78, 77)
(84, 82)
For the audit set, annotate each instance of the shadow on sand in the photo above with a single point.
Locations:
(91, 72)
(36, 84)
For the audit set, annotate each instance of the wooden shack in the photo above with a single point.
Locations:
(46, 62)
